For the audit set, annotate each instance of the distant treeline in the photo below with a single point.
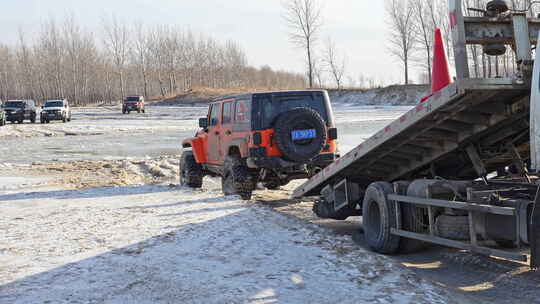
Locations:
(65, 60)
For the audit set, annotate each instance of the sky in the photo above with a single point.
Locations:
(357, 27)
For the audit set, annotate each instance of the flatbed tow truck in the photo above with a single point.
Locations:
(461, 168)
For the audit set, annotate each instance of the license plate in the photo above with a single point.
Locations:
(304, 134)
(52, 115)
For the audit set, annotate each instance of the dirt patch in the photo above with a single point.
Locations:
(92, 174)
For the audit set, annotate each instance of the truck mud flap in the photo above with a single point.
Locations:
(535, 233)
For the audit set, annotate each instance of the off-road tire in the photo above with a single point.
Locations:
(300, 119)
(191, 172)
(453, 227)
(21, 121)
(323, 210)
(272, 185)
(236, 179)
(379, 217)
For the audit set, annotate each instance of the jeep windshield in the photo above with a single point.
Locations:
(14, 104)
(270, 106)
(54, 104)
(132, 99)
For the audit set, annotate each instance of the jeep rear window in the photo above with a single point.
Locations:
(243, 111)
(272, 107)
(14, 104)
(51, 104)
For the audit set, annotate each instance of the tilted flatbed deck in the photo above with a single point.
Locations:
(432, 138)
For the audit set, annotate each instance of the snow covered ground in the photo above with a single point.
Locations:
(157, 244)
(88, 225)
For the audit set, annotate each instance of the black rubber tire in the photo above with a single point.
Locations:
(143, 110)
(453, 227)
(237, 179)
(33, 119)
(191, 172)
(412, 219)
(322, 209)
(300, 119)
(272, 186)
(379, 217)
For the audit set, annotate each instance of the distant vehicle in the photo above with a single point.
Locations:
(20, 110)
(57, 109)
(133, 103)
(271, 138)
(2, 115)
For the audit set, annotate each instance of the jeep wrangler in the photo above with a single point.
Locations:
(57, 109)
(269, 138)
(19, 110)
(133, 103)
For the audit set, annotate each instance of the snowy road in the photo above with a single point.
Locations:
(155, 244)
(105, 229)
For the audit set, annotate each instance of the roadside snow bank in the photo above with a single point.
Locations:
(392, 95)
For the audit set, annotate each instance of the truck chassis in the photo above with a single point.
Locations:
(458, 169)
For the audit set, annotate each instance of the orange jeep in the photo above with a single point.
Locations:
(270, 138)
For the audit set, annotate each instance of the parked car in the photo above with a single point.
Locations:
(55, 109)
(20, 110)
(271, 138)
(133, 103)
(2, 115)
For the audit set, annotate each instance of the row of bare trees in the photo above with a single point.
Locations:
(65, 60)
(411, 25)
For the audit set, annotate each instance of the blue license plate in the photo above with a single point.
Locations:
(52, 115)
(304, 134)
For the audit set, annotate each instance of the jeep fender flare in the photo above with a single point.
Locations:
(239, 144)
(197, 146)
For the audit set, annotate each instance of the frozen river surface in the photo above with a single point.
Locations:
(104, 133)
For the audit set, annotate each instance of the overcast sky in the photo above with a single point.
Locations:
(357, 26)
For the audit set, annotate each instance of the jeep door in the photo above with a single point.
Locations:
(226, 137)
(214, 133)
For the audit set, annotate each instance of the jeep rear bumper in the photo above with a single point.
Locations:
(321, 160)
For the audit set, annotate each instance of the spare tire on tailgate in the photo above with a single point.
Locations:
(300, 120)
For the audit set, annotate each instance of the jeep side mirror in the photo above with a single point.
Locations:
(203, 123)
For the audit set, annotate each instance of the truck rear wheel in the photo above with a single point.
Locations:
(379, 217)
(191, 172)
(236, 179)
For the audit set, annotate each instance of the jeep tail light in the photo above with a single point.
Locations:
(332, 134)
(257, 138)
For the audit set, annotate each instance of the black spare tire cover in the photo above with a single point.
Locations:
(300, 119)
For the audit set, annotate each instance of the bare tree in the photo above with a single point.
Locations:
(305, 21)
(335, 64)
(401, 35)
(117, 43)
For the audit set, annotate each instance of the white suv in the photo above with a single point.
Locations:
(57, 109)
